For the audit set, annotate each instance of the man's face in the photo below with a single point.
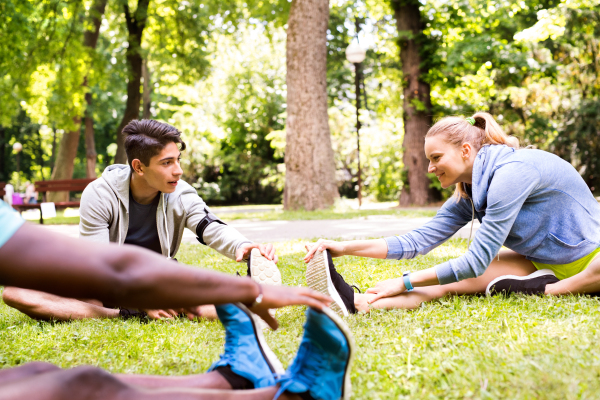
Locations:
(164, 170)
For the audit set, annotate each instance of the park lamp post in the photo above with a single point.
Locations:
(356, 55)
(17, 147)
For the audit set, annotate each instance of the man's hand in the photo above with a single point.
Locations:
(387, 288)
(191, 312)
(281, 296)
(335, 248)
(267, 250)
(160, 314)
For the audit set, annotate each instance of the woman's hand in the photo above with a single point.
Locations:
(335, 248)
(388, 288)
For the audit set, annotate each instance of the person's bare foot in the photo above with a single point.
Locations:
(209, 312)
(361, 302)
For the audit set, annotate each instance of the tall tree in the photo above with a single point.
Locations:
(136, 23)
(67, 148)
(90, 39)
(310, 182)
(417, 112)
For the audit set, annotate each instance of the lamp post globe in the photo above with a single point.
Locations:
(355, 53)
(17, 147)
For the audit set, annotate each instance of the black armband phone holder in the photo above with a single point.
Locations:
(203, 224)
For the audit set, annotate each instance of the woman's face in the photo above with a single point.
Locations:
(449, 163)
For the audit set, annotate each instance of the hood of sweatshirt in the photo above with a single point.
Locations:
(117, 176)
(488, 160)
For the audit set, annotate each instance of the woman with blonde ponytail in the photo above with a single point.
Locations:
(530, 201)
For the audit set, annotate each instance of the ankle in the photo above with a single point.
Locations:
(361, 302)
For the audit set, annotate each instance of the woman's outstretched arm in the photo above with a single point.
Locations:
(375, 248)
(450, 218)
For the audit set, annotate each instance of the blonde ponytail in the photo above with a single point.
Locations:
(485, 131)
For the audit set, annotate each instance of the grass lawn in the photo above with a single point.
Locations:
(457, 348)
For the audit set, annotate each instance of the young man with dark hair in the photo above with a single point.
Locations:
(146, 204)
(40, 260)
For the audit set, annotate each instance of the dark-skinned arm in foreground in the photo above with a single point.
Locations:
(34, 258)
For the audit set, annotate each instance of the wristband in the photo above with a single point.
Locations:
(406, 278)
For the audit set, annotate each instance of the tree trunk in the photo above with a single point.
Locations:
(64, 165)
(67, 148)
(147, 93)
(90, 141)
(136, 23)
(90, 39)
(416, 107)
(310, 168)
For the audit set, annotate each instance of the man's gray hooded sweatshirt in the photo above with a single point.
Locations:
(531, 201)
(105, 215)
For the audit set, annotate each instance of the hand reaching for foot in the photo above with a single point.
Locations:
(281, 296)
(387, 288)
(267, 250)
(335, 248)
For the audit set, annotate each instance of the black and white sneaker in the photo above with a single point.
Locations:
(531, 284)
(322, 277)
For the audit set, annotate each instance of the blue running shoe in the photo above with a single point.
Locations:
(246, 351)
(321, 368)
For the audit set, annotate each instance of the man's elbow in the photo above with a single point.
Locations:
(128, 273)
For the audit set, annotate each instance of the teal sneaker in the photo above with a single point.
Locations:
(321, 369)
(246, 351)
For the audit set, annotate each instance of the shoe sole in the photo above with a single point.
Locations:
(347, 388)
(270, 357)
(318, 278)
(536, 274)
(262, 270)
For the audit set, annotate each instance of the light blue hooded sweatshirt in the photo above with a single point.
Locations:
(531, 201)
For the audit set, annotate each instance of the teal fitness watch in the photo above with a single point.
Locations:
(406, 277)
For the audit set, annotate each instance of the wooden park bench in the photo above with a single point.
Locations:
(65, 185)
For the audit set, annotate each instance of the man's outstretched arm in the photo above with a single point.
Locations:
(37, 259)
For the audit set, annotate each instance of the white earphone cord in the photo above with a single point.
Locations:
(473, 219)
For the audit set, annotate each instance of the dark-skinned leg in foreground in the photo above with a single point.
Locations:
(91, 383)
(213, 380)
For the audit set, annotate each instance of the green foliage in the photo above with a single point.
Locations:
(217, 72)
(239, 107)
(518, 347)
(254, 110)
(34, 160)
